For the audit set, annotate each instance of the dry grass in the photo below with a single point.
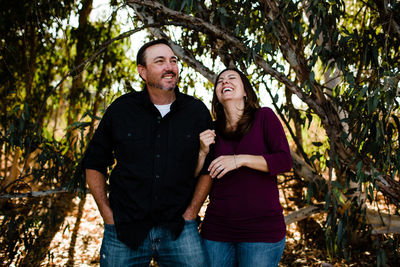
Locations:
(83, 249)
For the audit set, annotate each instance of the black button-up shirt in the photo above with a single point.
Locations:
(153, 181)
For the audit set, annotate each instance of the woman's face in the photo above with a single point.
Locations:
(229, 87)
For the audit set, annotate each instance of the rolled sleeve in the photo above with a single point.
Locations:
(99, 153)
(278, 163)
(278, 156)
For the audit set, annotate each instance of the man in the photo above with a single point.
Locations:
(152, 136)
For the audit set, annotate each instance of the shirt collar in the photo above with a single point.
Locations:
(175, 104)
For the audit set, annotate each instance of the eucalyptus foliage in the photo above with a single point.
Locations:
(334, 64)
(50, 102)
(341, 60)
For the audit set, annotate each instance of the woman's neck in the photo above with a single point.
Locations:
(233, 113)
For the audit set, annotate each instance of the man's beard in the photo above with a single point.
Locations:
(162, 87)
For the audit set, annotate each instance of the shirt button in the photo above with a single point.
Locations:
(157, 176)
(158, 156)
(158, 117)
(158, 135)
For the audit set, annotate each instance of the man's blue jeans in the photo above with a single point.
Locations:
(244, 254)
(187, 250)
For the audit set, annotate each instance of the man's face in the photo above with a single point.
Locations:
(161, 69)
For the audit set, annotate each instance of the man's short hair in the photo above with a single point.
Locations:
(141, 55)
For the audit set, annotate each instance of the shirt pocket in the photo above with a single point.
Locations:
(129, 143)
(124, 136)
(187, 145)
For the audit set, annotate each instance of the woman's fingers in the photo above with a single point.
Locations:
(207, 134)
(214, 164)
(215, 171)
(208, 131)
(206, 139)
(221, 165)
(222, 173)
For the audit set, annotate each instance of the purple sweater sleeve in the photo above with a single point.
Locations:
(278, 155)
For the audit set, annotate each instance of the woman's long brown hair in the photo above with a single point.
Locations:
(251, 105)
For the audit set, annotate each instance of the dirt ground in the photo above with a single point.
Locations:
(78, 242)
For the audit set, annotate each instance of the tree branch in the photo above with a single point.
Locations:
(77, 71)
(178, 50)
(301, 214)
(381, 223)
(387, 17)
(323, 108)
(176, 18)
(301, 168)
(35, 194)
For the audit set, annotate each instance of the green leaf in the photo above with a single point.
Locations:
(375, 102)
(318, 144)
(78, 124)
(327, 201)
(340, 231)
(339, 196)
(172, 4)
(371, 191)
(310, 193)
(311, 77)
(336, 184)
(359, 166)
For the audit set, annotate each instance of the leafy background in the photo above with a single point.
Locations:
(330, 69)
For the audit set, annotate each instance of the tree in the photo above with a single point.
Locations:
(331, 65)
(341, 59)
(50, 99)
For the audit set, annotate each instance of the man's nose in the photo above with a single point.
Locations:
(168, 65)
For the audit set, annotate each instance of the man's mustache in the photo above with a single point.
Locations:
(169, 72)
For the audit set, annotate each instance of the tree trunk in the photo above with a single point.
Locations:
(77, 82)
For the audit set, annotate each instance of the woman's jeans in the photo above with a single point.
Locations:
(244, 254)
(187, 250)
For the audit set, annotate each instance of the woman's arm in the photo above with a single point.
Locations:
(253, 162)
(277, 160)
(224, 164)
(206, 139)
(278, 157)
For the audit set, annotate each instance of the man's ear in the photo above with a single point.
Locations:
(142, 71)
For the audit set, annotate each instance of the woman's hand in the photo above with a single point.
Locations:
(206, 139)
(222, 165)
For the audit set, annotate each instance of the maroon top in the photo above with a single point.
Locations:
(244, 204)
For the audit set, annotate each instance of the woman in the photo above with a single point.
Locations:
(244, 224)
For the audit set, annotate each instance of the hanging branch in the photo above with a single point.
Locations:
(175, 18)
(178, 50)
(35, 194)
(316, 101)
(77, 71)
